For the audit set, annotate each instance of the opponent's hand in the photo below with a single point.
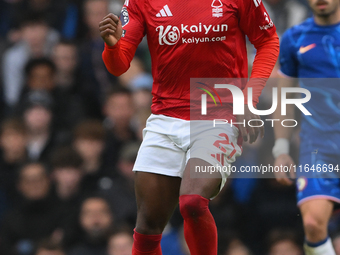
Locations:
(110, 29)
(250, 134)
(282, 177)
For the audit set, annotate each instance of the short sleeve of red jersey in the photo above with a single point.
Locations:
(254, 20)
(133, 22)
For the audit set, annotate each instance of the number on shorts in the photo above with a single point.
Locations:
(218, 144)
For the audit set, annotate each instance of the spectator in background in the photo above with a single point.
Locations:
(13, 140)
(95, 77)
(119, 192)
(120, 243)
(65, 58)
(35, 218)
(2, 101)
(271, 207)
(41, 75)
(38, 116)
(285, 13)
(54, 12)
(89, 142)
(118, 112)
(67, 176)
(115, 6)
(68, 78)
(36, 40)
(228, 214)
(140, 122)
(142, 98)
(49, 248)
(96, 222)
(94, 11)
(237, 247)
(231, 243)
(136, 76)
(4, 19)
(284, 242)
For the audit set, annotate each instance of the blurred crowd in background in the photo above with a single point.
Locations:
(70, 133)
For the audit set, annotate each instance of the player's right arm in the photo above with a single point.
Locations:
(111, 29)
(288, 72)
(122, 36)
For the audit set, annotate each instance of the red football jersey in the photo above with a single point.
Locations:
(193, 39)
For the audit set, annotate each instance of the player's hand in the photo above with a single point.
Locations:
(250, 134)
(282, 177)
(110, 29)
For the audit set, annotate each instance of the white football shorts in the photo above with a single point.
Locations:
(168, 144)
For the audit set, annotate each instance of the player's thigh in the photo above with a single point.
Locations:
(158, 154)
(209, 159)
(158, 169)
(204, 185)
(156, 196)
(316, 212)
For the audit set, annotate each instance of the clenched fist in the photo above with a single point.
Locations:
(110, 29)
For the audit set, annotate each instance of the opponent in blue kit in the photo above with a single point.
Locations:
(311, 52)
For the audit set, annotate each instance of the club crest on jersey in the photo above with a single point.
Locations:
(124, 16)
(301, 183)
(217, 8)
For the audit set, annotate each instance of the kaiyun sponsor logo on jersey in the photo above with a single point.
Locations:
(170, 35)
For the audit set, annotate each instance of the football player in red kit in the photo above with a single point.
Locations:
(187, 39)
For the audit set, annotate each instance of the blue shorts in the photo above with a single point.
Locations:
(318, 177)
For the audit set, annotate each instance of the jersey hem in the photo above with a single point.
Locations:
(158, 171)
(315, 197)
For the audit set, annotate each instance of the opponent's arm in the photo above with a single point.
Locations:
(289, 67)
(283, 134)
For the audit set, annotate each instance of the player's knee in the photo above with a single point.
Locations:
(314, 226)
(150, 224)
(193, 206)
(149, 227)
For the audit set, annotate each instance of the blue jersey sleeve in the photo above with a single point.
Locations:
(288, 58)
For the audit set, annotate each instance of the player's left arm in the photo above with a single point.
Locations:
(260, 29)
(257, 25)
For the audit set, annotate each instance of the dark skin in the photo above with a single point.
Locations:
(250, 134)
(110, 29)
(157, 195)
